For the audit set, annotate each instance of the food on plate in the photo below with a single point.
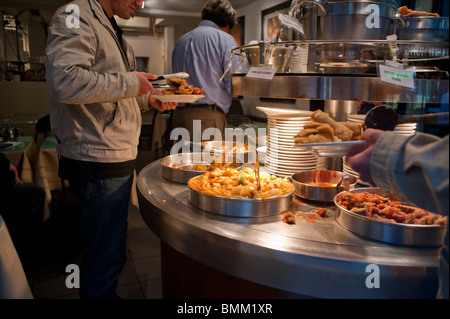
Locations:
(323, 129)
(382, 208)
(182, 88)
(407, 13)
(241, 184)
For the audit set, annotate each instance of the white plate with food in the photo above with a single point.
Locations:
(333, 149)
(178, 98)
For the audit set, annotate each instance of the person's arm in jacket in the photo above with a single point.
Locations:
(415, 166)
(71, 55)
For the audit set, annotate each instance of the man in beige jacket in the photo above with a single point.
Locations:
(96, 97)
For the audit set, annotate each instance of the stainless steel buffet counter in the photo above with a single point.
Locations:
(335, 87)
(315, 257)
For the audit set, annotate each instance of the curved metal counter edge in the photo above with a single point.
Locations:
(311, 268)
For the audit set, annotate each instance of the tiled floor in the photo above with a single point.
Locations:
(140, 279)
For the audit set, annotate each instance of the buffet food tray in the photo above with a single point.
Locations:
(172, 166)
(394, 233)
(240, 207)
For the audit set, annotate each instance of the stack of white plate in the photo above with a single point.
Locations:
(282, 157)
(402, 129)
(348, 170)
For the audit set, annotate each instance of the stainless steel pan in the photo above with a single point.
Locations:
(240, 207)
(178, 168)
(401, 234)
(306, 184)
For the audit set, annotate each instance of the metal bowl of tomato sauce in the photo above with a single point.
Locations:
(321, 185)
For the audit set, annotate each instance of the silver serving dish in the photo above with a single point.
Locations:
(178, 168)
(312, 185)
(240, 207)
(422, 28)
(235, 152)
(347, 20)
(401, 234)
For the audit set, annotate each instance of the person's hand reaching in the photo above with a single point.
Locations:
(360, 162)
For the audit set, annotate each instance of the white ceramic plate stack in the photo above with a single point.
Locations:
(402, 129)
(282, 157)
(348, 170)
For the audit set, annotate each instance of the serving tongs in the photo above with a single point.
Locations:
(166, 78)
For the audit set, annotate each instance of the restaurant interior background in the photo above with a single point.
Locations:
(153, 34)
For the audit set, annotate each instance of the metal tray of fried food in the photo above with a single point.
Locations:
(179, 168)
(394, 233)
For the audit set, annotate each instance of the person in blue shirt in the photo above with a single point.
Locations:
(204, 53)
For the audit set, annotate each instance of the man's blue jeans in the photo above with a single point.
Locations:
(103, 206)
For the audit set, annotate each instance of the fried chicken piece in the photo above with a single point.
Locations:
(356, 128)
(185, 89)
(341, 131)
(306, 132)
(178, 81)
(312, 125)
(326, 129)
(403, 10)
(300, 140)
(169, 91)
(408, 13)
(319, 138)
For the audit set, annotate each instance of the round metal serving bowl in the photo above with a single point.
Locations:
(178, 168)
(234, 152)
(320, 185)
(240, 207)
(347, 20)
(423, 28)
(401, 234)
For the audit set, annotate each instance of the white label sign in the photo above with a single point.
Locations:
(261, 73)
(397, 76)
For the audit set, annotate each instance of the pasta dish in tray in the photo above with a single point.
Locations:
(232, 183)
